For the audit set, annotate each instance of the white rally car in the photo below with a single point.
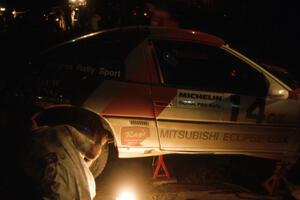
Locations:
(167, 90)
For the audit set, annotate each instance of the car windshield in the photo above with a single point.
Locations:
(283, 74)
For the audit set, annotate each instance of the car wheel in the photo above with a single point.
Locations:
(98, 165)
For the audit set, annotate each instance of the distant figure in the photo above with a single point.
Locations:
(56, 162)
(161, 17)
(83, 18)
(95, 21)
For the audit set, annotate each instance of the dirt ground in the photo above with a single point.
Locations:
(193, 178)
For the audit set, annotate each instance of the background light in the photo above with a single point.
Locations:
(126, 195)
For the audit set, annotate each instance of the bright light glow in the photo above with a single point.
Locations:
(2, 9)
(280, 91)
(73, 1)
(126, 195)
(145, 14)
(81, 1)
(193, 32)
(14, 13)
(57, 19)
(188, 102)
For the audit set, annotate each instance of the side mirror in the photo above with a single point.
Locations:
(276, 93)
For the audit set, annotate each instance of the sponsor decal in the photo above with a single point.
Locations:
(208, 135)
(134, 136)
(195, 99)
(184, 134)
(109, 73)
(254, 138)
(85, 69)
(200, 96)
(105, 72)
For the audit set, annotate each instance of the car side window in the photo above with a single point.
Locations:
(75, 69)
(99, 58)
(193, 65)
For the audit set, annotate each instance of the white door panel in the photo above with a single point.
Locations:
(199, 105)
(187, 109)
(284, 112)
(189, 105)
(235, 108)
(253, 110)
(215, 138)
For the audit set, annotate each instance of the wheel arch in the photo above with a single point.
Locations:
(79, 110)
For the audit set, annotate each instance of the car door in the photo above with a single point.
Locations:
(211, 101)
(263, 117)
(187, 102)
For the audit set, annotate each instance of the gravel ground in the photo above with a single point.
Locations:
(197, 177)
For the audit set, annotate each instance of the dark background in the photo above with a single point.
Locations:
(266, 31)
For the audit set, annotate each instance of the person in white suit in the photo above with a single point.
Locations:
(57, 162)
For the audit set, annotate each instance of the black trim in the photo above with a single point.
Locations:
(156, 63)
(130, 117)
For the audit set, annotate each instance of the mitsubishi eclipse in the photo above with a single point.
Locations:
(161, 90)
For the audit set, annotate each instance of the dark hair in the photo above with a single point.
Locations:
(82, 119)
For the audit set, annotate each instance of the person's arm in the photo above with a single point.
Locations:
(95, 150)
(89, 146)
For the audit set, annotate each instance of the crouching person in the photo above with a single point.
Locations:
(56, 161)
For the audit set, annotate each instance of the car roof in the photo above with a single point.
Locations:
(161, 33)
(186, 35)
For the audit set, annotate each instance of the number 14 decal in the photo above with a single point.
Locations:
(259, 103)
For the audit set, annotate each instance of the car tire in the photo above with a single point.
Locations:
(98, 165)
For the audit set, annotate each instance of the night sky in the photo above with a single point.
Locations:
(266, 31)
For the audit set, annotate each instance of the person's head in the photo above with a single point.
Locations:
(162, 18)
(162, 14)
(93, 133)
(90, 141)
